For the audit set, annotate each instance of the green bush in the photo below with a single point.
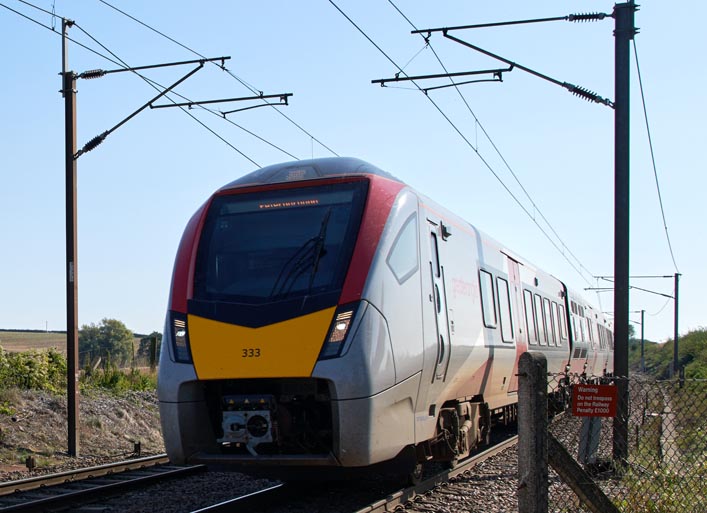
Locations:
(33, 370)
(46, 370)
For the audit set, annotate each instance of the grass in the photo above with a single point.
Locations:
(22, 341)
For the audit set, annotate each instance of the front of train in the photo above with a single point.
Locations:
(266, 294)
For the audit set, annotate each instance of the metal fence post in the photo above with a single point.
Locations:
(532, 434)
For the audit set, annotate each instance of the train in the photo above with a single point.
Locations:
(324, 316)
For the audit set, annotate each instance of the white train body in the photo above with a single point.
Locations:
(434, 316)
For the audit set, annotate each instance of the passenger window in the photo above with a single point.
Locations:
(549, 323)
(542, 326)
(556, 322)
(563, 321)
(402, 258)
(590, 333)
(578, 329)
(530, 323)
(504, 307)
(488, 305)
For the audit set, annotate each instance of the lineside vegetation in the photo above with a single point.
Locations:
(111, 359)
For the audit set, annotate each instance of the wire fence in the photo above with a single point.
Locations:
(657, 465)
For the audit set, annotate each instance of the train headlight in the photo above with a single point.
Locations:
(338, 330)
(180, 338)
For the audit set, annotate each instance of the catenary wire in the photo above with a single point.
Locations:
(122, 64)
(251, 88)
(650, 144)
(660, 311)
(416, 55)
(29, 18)
(490, 140)
(466, 140)
(155, 86)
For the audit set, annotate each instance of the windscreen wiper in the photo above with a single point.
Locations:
(319, 252)
(291, 271)
(307, 256)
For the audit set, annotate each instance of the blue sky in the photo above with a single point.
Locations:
(138, 189)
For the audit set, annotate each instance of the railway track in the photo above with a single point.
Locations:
(66, 489)
(273, 498)
(98, 486)
(408, 494)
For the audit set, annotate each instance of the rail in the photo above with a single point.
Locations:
(404, 496)
(54, 490)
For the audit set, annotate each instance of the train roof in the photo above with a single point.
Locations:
(313, 169)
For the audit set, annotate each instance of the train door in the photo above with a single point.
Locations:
(439, 302)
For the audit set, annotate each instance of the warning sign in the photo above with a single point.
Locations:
(594, 400)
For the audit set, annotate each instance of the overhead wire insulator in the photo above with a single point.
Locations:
(591, 16)
(94, 142)
(92, 73)
(588, 95)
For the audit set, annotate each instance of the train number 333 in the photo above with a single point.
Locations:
(251, 352)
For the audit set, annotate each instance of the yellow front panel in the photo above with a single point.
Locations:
(287, 349)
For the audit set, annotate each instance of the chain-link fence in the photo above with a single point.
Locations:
(655, 461)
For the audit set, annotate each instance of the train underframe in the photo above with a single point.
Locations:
(271, 419)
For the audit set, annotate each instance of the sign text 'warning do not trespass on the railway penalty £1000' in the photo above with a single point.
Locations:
(594, 400)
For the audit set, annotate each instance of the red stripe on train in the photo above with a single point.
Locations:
(381, 196)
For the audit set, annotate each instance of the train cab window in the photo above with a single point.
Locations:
(504, 308)
(402, 258)
(277, 245)
(549, 324)
(542, 323)
(530, 323)
(488, 303)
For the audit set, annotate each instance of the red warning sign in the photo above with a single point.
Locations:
(594, 400)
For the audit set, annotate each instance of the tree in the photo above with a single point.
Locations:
(143, 351)
(111, 341)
